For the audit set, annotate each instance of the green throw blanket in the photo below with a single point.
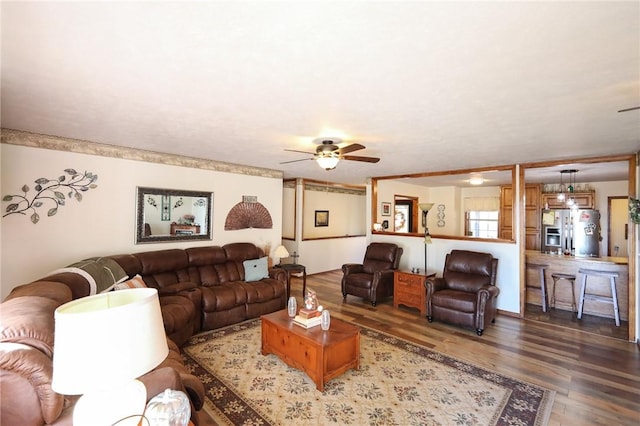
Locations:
(101, 273)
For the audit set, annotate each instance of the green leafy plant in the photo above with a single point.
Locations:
(50, 191)
(634, 210)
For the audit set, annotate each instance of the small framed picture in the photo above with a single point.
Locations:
(386, 209)
(322, 217)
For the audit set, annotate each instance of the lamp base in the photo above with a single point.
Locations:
(112, 406)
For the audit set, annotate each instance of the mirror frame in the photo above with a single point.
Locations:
(374, 201)
(142, 191)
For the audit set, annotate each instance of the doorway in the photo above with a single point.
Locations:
(405, 214)
(618, 227)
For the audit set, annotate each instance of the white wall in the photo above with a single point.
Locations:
(346, 214)
(104, 222)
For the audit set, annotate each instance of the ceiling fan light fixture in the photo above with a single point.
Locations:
(328, 162)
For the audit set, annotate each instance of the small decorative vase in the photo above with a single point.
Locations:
(325, 320)
(169, 408)
(292, 307)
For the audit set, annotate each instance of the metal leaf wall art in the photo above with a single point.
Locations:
(50, 192)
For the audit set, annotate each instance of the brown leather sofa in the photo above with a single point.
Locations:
(200, 288)
(373, 279)
(466, 293)
(212, 278)
(26, 361)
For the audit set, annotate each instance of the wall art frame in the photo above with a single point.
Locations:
(386, 209)
(322, 218)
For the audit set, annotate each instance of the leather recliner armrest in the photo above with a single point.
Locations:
(434, 284)
(352, 268)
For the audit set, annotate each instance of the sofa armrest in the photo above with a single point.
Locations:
(25, 386)
(278, 274)
(490, 291)
(192, 385)
(352, 268)
(384, 276)
(434, 284)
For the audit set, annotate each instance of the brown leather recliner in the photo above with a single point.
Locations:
(466, 294)
(373, 279)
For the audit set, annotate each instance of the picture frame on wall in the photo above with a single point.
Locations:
(322, 218)
(386, 209)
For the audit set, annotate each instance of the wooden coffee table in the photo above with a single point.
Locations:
(322, 355)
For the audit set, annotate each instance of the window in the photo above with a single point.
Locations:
(482, 224)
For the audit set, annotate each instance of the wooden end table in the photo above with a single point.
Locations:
(322, 355)
(409, 290)
(294, 268)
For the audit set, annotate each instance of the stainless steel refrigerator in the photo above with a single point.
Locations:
(575, 232)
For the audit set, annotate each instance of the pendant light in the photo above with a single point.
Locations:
(566, 194)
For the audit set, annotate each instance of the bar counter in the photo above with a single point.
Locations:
(595, 285)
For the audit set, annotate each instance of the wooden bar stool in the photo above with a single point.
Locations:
(614, 294)
(557, 276)
(541, 268)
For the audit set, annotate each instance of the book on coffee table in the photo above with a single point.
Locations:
(309, 313)
(307, 322)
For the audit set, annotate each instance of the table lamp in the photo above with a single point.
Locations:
(102, 344)
(281, 252)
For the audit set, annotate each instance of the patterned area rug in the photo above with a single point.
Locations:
(398, 383)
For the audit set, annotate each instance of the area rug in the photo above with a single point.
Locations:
(398, 383)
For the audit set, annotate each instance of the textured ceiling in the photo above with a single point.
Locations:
(425, 86)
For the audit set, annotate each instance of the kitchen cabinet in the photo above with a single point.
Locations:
(585, 200)
(532, 196)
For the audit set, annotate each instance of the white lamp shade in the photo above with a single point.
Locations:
(105, 341)
(425, 207)
(281, 252)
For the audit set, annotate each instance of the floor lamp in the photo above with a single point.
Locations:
(425, 207)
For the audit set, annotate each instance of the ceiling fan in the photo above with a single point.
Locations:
(328, 153)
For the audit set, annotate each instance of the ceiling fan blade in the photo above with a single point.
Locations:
(295, 161)
(360, 158)
(302, 152)
(350, 148)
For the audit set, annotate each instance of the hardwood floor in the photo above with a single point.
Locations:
(596, 378)
(588, 323)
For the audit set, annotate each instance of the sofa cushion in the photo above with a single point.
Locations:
(256, 269)
(29, 320)
(135, 282)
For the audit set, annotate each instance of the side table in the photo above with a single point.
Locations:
(409, 290)
(294, 268)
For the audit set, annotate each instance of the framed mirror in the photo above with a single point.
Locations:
(467, 204)
(172, 215)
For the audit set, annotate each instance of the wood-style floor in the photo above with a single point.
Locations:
(596, 378)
